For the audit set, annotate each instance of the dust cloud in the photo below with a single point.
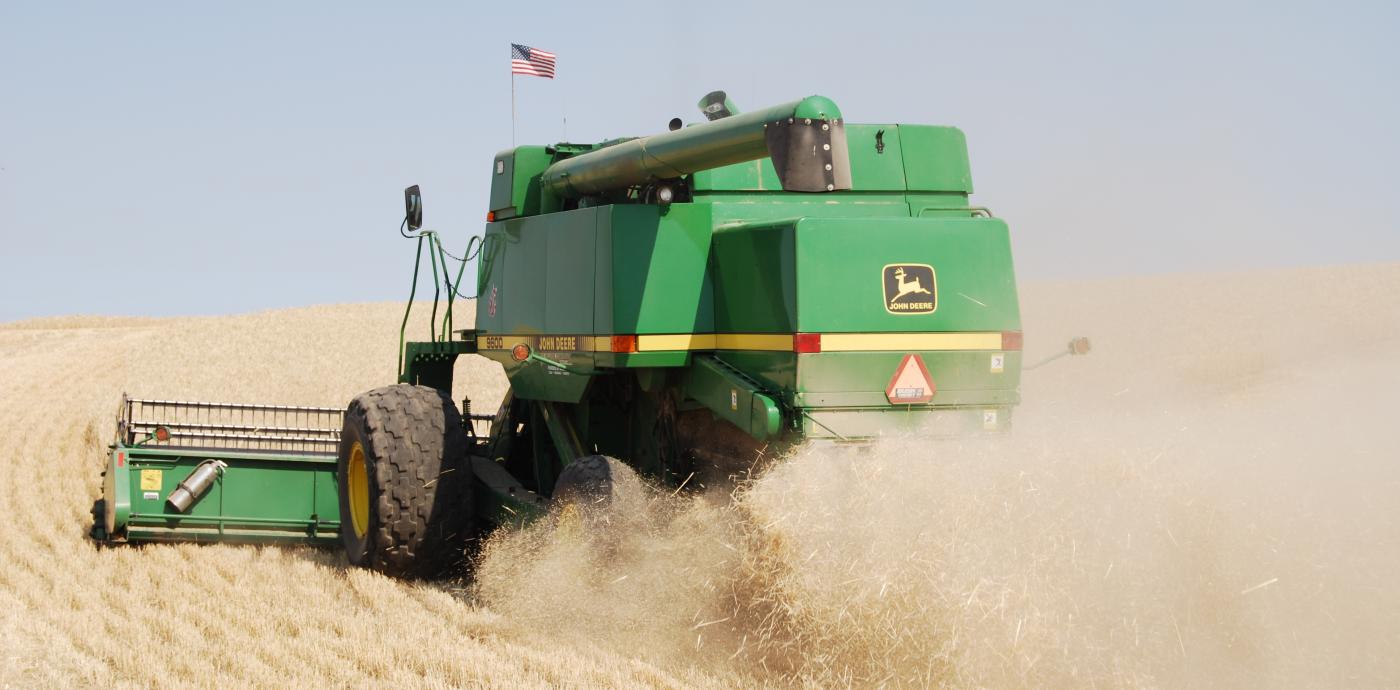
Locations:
(1208, 500)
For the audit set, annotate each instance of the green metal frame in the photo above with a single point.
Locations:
(734, 397)
(260, 497)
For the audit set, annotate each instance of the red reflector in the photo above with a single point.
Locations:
(807, 343)
(520, 352)
(911, 384)
(1011, 340)
(490, 216)
(121, 459)
(624, 343)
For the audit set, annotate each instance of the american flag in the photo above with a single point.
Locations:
(531, 61)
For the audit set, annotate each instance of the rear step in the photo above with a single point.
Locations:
(207, 471)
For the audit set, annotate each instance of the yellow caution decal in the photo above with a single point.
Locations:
(151, 480)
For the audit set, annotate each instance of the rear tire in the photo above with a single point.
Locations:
(587, 481)
(405, 495)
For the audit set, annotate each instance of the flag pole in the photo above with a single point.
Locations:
(512, 108)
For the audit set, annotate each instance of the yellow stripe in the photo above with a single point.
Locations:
(754, 341)
(682, 341)
(770, 342)
(848, 342)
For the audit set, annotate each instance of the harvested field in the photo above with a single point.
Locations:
(1207, 500)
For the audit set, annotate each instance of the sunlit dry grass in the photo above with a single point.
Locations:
(1206, 501)
(220, 616)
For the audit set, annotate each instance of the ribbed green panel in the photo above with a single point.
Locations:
(530, 270)
(568, 274)
(659, 281)
(754, 273)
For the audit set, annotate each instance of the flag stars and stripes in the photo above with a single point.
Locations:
(531, 61)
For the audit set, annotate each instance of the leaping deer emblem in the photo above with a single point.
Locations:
(911, 287)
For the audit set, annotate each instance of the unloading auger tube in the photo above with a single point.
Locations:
(806, 140)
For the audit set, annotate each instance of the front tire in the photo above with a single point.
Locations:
(405, 495)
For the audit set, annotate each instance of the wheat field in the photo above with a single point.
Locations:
(1207, 500)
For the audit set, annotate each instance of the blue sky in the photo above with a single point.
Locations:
(198, 158)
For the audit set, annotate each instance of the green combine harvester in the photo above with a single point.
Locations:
(687, 303)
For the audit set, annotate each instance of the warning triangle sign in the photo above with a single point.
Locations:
(911, 383)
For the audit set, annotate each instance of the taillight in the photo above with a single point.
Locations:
(1011, 340)
(490, 216)
(806, 343)
(624, 343)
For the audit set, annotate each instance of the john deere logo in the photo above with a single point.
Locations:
(910, 289)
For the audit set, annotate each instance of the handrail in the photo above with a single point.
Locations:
(436, 254)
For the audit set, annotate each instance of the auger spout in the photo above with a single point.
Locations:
(806, 140)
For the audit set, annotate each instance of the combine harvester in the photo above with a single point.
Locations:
(686, 303)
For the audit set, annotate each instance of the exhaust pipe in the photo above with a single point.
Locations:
(194, 486)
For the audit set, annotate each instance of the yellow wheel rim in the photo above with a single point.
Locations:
(357, 488)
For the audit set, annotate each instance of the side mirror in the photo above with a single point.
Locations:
(413, 207)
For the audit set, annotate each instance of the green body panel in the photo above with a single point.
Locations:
(859, 379)
(598, 271)
(642, 322)
(535, 381)
(913, 158)
(647, 274)
(839, 264)
(935, 159)
(744, 257)
(569, 288)
(824, 275)
(522, 291)
(515, 187)
(856, 423)
(259, 497)
(657, 282)
(733, 397)
(754, 273)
